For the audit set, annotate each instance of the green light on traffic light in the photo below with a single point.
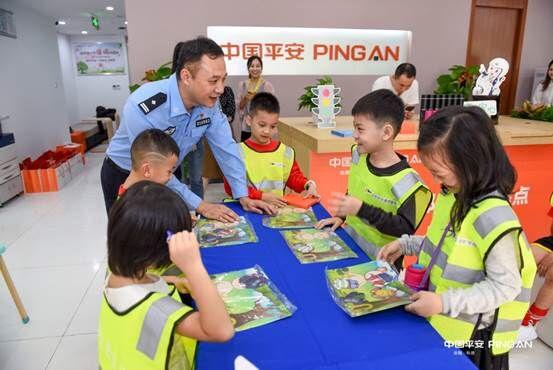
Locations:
(95, 22)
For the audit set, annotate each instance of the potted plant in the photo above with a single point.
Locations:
(538, 112)
(460, 80)
(163, 72)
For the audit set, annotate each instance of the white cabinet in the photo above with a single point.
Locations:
(10, 175)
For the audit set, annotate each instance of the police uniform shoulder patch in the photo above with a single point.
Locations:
(152, 102)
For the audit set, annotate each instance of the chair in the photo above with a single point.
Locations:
(11, 287)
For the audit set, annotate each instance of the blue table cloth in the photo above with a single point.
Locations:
(319, 335)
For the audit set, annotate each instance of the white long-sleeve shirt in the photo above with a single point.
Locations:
(543, 97)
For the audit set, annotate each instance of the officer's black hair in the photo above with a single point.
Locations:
(137, 228)
(175, 59)
(192, 51)
(152, 141)
(264, 101)
(465, 138)
(406, 69)
(381, 106)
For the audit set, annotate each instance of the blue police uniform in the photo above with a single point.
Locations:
(159, 105)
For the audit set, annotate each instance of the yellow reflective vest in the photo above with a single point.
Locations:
(268, 171)
(461, 263)
(387, 193)
(143, 337)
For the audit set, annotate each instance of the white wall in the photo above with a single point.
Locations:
(68, 78)
(31, 92)
(91, 91)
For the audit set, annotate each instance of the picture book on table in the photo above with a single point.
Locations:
(291, 218)
(367, 287)
(211, 233)
(312, 245)
(251, 299)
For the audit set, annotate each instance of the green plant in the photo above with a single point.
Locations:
(82, 67)
(538, 112)
(460, 80)
(305, 101)
(163, 72)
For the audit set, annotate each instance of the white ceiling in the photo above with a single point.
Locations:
(77, 14)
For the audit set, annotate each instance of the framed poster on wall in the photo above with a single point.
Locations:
(99, 58)
(7, 24)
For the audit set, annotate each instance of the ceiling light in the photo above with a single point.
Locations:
(110, 8)
(126, 22)
(84, 32)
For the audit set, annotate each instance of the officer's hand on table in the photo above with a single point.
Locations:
(217, 212)
(273, 199)
(390, 252)
(333, 222)
(425, 304)
(342, 205)
(257, 206)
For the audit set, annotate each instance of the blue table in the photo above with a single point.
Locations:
(320, 335)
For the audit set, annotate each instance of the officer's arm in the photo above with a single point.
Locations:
(224, 149)
(191, 199)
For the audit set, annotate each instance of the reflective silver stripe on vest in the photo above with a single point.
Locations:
(370, 249)
(524, 295)
(493, 217)
(289, 153)
(453, 272)
(268, 184)
(462, 274)
(507, 325)
(403, 185)
(154, 322)
(355, 156)
(172, 271)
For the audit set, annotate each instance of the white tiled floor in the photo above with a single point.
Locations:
(56, 256)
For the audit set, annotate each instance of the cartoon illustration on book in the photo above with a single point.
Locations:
(213, 233)
(291, 218)
(251, 298)
(367, 287)
(312, 245)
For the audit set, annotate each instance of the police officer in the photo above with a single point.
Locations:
(186, 107)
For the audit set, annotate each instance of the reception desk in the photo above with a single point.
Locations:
(326, 158)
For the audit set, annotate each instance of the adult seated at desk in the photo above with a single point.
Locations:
(403, 84)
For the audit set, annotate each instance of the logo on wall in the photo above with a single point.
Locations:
(313, 51)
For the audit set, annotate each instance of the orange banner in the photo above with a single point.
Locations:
(530, 199)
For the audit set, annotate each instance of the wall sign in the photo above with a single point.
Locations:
(313, 51)
(93, 58)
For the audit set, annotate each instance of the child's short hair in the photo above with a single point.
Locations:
(382, 106)
(466, 138)
(265, 102)
(138, 225)
(150, 144)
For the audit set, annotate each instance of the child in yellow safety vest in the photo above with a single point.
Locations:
(479, 266)
(541, 249)
(143, 324)
(386, 197)
(270, 165)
